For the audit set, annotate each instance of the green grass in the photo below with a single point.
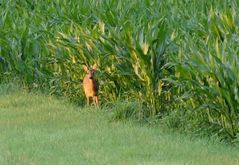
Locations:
(38, 129)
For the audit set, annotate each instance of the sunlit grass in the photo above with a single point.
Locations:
(38, 129)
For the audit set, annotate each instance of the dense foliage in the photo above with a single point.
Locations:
(173, 57)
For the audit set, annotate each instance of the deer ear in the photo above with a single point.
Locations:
(85, 68)
(94, 67)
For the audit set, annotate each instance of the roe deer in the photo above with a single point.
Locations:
(91, 85)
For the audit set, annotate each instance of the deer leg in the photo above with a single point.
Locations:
(88, 100)
(96, 101)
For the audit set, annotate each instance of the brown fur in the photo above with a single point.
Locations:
(91, 85)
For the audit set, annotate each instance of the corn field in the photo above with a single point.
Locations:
(168, 56)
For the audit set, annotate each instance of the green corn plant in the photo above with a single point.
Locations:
(148, 59)
(210, 71)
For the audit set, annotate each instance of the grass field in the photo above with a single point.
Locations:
(38, 129)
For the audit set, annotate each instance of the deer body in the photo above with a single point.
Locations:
(91, 85)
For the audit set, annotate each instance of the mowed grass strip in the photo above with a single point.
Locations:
(38, 129)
